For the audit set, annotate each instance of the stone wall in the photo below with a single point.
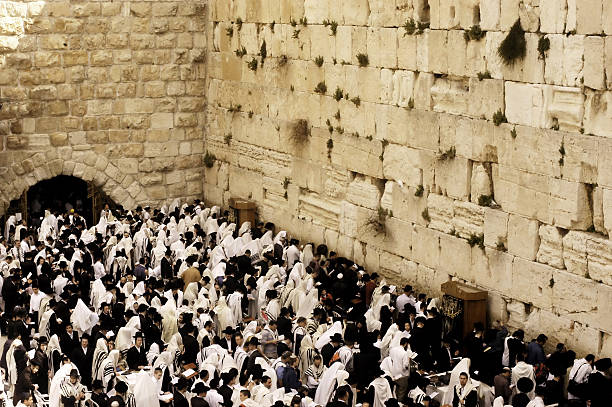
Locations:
(420, 139)
(108, 91)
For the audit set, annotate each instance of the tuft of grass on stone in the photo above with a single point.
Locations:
(282, 61)
(229, 31)
(476, 240)
(321, 88)
(356, 101)
(319, 61)
(363, 59)
(485, 200)
(209, 160)
(227, 138)
(300, 131)
(240, 52)
(263, 52)
(499, 117)
(419, 191)
(448, 154)
(425, 215)
(543, 46)
(338, 94)
(475, 33)
(239, 23)
(514, 46)
(252, 64)
(484, 75)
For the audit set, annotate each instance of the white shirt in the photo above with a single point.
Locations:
(292, 255)
(536, 402)
(35, 301)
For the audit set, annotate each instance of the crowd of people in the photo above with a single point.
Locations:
(177, 306)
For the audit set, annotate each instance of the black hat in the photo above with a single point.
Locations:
(200, 388)
(138, 335)
(391, 403)
(42, 340)
(97, 384)
(121, 387)
(524, 384)
(254, 341)
(74, 373)
(336, 338)
(228, 330)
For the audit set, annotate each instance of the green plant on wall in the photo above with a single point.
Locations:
(514, 46)
(319, 61)
(240, 52)
(363, 59)
(321, 88)
(475, 33)
(252, 64)
(209, 160)
(543, 46)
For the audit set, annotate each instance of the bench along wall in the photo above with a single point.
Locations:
(108, 91)
(433, 159)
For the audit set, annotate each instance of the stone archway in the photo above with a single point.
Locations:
(86, 165)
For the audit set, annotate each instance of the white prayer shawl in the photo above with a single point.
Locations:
(211, 226)
(307, 354)
(245, 228)
(325, 338)
(400, 359)
(523, 369)
(273, 310)
(124, 339)
(191, 293)
(169, 320)
(216, 256)
(382, 391)
(268, 371)
(53, 347)
(54, 389)
(109, 367)
(235, 304)
(11, 363)
(83, 320)
(224, 315)
(328, 384)
(12, 220)
(43, 324)
(307, 255)
(165, 360)
(308, 304)
(46, 228)
(462, 393)
(462, 366)
(159, 251)
(386, 341)
(145, 391)
(266, 240)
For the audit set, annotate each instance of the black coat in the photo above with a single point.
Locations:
(24, 383)
(136, 357)
(192, 348)
(471, 400)
(68, 343)
(83, 361)
(100, 399)
(179, 400)
(199, 402)
(226, 392)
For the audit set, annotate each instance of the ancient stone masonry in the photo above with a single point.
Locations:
(108, 91)
(443, 141)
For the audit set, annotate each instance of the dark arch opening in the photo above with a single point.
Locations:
(61, 194)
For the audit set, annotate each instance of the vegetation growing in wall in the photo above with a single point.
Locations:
(333, 26)
(501, 246)
(411, 26)
(282, 61)
(240, 52)
(356, 101)
(209, 160)
(338, 94)
(293, 23)
(321, 88)
(411, 103)
(514, 46)
(363, 59)
(475, 33)
(234, 108)
(562, 152)
(330, 147)
(252, 64)
(227, 138)
(425, 215)
(239, 23)
(448, 154)
(286, 183)
(229, 31)
(419, 191)
(319, 61)
(484, 75)
(300, 131)
(337, 115)
(543, 46)
(476, 240)
(250, 114)
(513, 133)
(499, 117)
(304, 21)
(296, 34)
(263, 52)
(485, 200)
(272, 24)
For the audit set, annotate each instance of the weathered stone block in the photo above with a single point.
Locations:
(551, 247)
(532, 283)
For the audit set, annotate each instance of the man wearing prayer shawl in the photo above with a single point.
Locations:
(465, 394)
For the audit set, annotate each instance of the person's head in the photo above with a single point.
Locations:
(317, 360)
(69, 329)
(85, 341)
(301, 321)
(266, 381)
(97, 386)
(208, 325)
(239, 339)
(519, 334)
(200, 389)
(285, 357)
(506, 372)
(74, 376)
(542, 339)
(590, 359)
(253, 343)
(561, 347)
(272, 324)
(342, 394)
(27, 399)
(404, 342)
(463, 378)
(34, 367)
(540, 391)
(244, 394)
(158, 373)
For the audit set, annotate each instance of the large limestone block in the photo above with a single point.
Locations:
(598, 114)
(344, 43)
(594, 63)
(552, 15)
(403, 87)
(468, 219)
(573, 294)
(553, 71)
(245, 184)
(437, 43)
(425, 130)
(441, 212)
(573, 60)
(498, 275)
(473, 139)
(569, 204)
(426, 246)
(407, 206)
(575, 252)
(599, 258)
(509, 13)
(533, 150)
(490, 13)
(480, 184)
(363, 192)
(382, 13)
(398, 239)
(604, 165)
(598, 210)
(390, 265)
(406, 50)
(316, 11)
(450, 96)
(581, 156)
(422, 52)
(485, 97)
(525, 104)
(606, 202)
(476, 58)
(410, 166)
(532, 283)
(551, 247)
(355, 12)
(388, 48)
(455, 257)
(457, 52)
(353, 220)
(588, 16)
(523, 237)
(453, 177)
(495, 227)
(564, 108)
(359, 155)
(422, 91)
(522, 193)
